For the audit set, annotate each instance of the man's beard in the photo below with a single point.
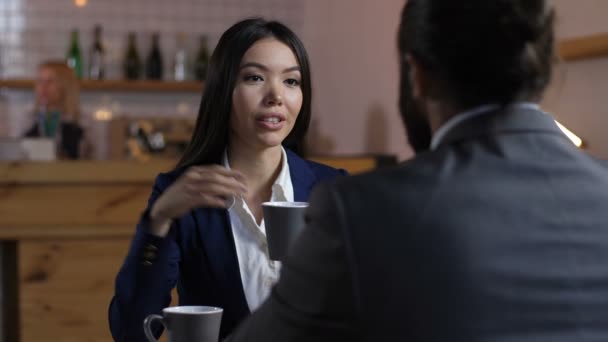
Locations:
(415, 120)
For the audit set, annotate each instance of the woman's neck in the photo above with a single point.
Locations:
(260, 167)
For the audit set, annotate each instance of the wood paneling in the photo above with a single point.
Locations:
(76, 172)
(584, 47)
(71, 224)
(108, 172)
(72, 204)
(75, 199)
(353, 165)
(41, 232)
(65, 288)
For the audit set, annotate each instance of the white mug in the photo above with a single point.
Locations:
(187, 323)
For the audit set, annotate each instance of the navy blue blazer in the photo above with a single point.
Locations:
(198, 255)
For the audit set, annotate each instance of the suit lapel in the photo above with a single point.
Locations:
(216, 235)
(218, 241)
(302, 177)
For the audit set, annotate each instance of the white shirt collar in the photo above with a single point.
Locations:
(282, 188)
(469, 114)
(258, 272)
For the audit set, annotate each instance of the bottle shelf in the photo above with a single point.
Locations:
(117, 85)
(584, 47)
(573, 49)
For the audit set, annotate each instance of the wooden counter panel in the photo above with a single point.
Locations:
(72, 204)
(42, 232)
(76, 172)
(585, 47)
(112, 172)
(352, 165)
(65, 288)
(72, 223)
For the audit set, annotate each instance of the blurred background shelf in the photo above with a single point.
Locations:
(584, 47)
(117, 85)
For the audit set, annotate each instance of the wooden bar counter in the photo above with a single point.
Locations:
(65, 228)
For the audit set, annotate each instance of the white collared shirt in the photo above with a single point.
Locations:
(461, 117)
(258, 272)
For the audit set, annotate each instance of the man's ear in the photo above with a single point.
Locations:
(418, 78)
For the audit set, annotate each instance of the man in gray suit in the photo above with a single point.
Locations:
(496, 231)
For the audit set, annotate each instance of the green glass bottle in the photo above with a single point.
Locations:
(132, 63)
(74, 57)
(202, 59)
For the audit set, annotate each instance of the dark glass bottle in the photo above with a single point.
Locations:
(97, 56)
(132, 63)
(202, 59)
(154, 62)
(74, 57)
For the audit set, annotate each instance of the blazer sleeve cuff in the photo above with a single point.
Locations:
(151, 245)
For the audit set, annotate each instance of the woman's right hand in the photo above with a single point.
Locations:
(208, 186)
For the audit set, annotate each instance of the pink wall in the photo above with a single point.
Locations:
(579, 92)
(581, 17)
(352, 47)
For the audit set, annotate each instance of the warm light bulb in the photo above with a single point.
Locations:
(103, 115)
(80, 3)
(573, 137)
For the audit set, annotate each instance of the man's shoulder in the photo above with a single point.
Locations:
(413, 173)
(403, 190)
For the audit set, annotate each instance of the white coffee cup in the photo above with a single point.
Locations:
(187, 323)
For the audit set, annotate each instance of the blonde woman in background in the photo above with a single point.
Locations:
(57, 110)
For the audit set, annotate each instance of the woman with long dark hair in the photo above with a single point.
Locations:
(203, 229)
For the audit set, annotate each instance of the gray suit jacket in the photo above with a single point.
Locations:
(500, 234)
